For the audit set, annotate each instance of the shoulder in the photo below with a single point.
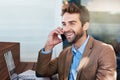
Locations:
(99, 46)
(102, 45)
(103, 48)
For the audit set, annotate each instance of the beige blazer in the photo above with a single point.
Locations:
(98, 63)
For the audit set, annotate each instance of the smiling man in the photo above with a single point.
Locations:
(86, 59)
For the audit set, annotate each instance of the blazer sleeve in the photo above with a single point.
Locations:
(45, 66)
(107, 65)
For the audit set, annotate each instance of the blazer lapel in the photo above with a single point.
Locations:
(68, 62)
(85, 56)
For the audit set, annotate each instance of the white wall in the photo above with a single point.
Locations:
(28, 22)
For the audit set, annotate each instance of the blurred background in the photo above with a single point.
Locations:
(30, 21)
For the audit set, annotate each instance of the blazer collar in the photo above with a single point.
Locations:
(86, 54)
(68, 62)
(84, 59)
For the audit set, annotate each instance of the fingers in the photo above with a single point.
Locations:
(59, 30)
(56, 32)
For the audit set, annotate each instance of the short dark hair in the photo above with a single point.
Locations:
(73, 8)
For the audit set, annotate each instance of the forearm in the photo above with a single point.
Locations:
(45, 66)
(42, 63)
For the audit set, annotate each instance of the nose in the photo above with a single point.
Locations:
(66, 28)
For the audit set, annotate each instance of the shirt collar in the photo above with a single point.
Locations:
(81, 48)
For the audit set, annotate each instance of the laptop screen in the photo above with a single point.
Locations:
(10, 65)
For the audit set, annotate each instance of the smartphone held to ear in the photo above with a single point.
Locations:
(63, 37)
(65, 42)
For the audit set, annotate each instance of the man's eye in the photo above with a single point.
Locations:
(72, 23)
(63, 25)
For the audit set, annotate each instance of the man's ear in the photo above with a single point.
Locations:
(86, 26)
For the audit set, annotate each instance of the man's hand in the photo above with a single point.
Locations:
(53, 39)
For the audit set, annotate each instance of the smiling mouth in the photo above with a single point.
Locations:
(68, 35)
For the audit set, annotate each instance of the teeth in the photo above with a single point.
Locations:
(69, 34)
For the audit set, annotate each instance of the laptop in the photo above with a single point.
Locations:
(26, 75)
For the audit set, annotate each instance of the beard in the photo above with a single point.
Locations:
(76, 37)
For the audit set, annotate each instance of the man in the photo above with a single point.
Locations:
(86, 59)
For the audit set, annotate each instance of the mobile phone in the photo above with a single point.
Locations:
(63, 37)
(65, 42)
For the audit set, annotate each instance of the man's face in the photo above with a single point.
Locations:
(72, 27)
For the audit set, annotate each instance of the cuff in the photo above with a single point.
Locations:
(45, 52)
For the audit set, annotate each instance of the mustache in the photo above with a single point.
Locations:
(65, 32)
